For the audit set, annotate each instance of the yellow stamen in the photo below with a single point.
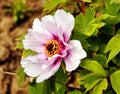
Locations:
(52, 47)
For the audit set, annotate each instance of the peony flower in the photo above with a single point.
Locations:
(49, 38)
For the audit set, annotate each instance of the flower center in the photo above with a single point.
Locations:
(52, 47)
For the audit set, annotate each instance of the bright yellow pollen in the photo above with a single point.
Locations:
(52, 47)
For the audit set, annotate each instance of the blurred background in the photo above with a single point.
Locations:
(16, 16)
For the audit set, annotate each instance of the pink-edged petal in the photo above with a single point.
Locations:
(34, 41)
(65, 22)
(31, 68)
(42, 58)
(37, 27)
(72, 60)
(49, 71)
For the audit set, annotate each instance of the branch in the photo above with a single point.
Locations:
(67, 86)
(9, 73)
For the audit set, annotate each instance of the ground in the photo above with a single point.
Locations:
(9, 56)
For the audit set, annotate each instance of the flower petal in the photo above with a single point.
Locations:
(31, 68)
(34, 41)
(37, 27)
(49, 71)
(47, 18)
(72, 60)
(50, 26)
(65, 21)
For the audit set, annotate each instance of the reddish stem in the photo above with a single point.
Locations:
(82, 7)
(114, 27)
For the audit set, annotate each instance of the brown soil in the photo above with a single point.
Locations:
(10, 57)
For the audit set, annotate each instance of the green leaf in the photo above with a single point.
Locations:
(113, 8)
(62, 90)
(102, 85)
(93, 66)
(90, 80)
(83, 72)
(19, 45)
(112, 70)
(75, 92)
(90, 13)
(60, 79)
(89, 1)
(52, 4)
(86, 24)
(115, 81)
(116, 60)
(21, 75)
(102, 17)
(94, 43)
(27, 53)
(115, 1)
(101, 59)
(113, 46)
(36, 88)
(40, 88)
(20, 38)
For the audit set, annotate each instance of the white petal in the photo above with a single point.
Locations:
(50, 26)
(74, 56)
(34, 41)
(65, 21)
(31, 68)
(47, 18)
(49, 71)
(37, 27)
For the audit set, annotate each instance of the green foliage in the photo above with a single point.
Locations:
(115, 81)
(19, 45)
(76, 92)
(87, 1)
(101, 59)
(40, 88)
(102, 85)
(60, 89)
(52, 4)
(113, 46)
(19, 9)
(27, 53)
(115, 1)
(21, 76)
(86, 24)
(94, 81)
(93, 66)
(116, 60)
(112, 9)
(90, 80)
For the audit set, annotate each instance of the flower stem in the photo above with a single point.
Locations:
(82, 7)
(58, 82)
(68, 87)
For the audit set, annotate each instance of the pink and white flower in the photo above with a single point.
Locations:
(49, 38)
